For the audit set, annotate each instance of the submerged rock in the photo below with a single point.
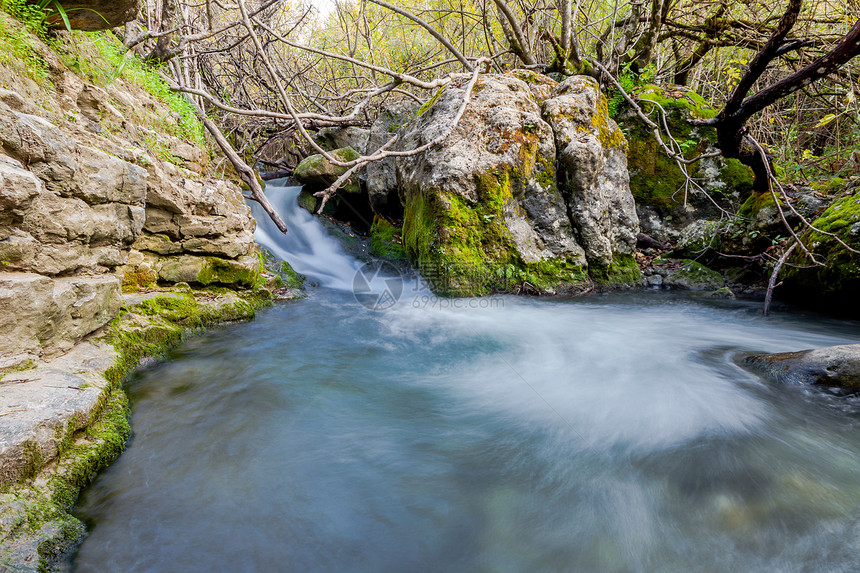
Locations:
(831, 366)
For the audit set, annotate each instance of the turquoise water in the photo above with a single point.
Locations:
(607, 434)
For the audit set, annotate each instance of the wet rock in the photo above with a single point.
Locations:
(831, 366)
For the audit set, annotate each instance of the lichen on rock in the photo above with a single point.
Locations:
(483, 210)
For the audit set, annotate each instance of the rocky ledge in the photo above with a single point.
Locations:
(67, 419)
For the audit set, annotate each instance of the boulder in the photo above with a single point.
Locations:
(593, 176)
(381, 176)
(837, 366)
(317, 173)
(333, 138)
(664, 204)
(482, 210)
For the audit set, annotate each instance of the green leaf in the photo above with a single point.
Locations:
(826, 119)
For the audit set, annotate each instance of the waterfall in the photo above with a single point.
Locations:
(307, 246)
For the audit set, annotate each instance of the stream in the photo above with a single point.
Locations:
(609, 433)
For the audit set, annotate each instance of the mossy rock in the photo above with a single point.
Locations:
(655, 179)
(622, 272)
(385, 241)
(839, 277)
(287, 276)
(465, 249)
(316, 173)
(693, 275)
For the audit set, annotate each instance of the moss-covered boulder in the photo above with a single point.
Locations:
(316, 173)
(483, 211)
(664, 202)
(593, 178)
(837, 279)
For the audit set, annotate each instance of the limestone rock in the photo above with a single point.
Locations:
(332, 138)
(192, 269)
(18, 187)
(102, 178)
(593, 170)
(485, 205)
(381, 176)
(831, 366)
(40, 316)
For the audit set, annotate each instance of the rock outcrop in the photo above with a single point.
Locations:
(834, 366)
(486, 209)
(593, 174)
(86, 206)
(97, 14)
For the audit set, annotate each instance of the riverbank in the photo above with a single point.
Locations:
(67, 419)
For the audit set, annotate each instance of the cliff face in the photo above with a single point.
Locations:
(93, 200)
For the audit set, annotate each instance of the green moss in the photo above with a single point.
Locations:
(429, 103)
(655, 179)
(465, 249)
(227, 272)
(839, 277)
(737, 177)
(623, 271)
(697, 273)
(607, 132)
(755, 203)
(385, 241)
(829, 185)
(134, 280)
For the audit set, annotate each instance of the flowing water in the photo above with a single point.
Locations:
(603, 434)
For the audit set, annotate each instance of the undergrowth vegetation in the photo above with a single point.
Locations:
(97, 57)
